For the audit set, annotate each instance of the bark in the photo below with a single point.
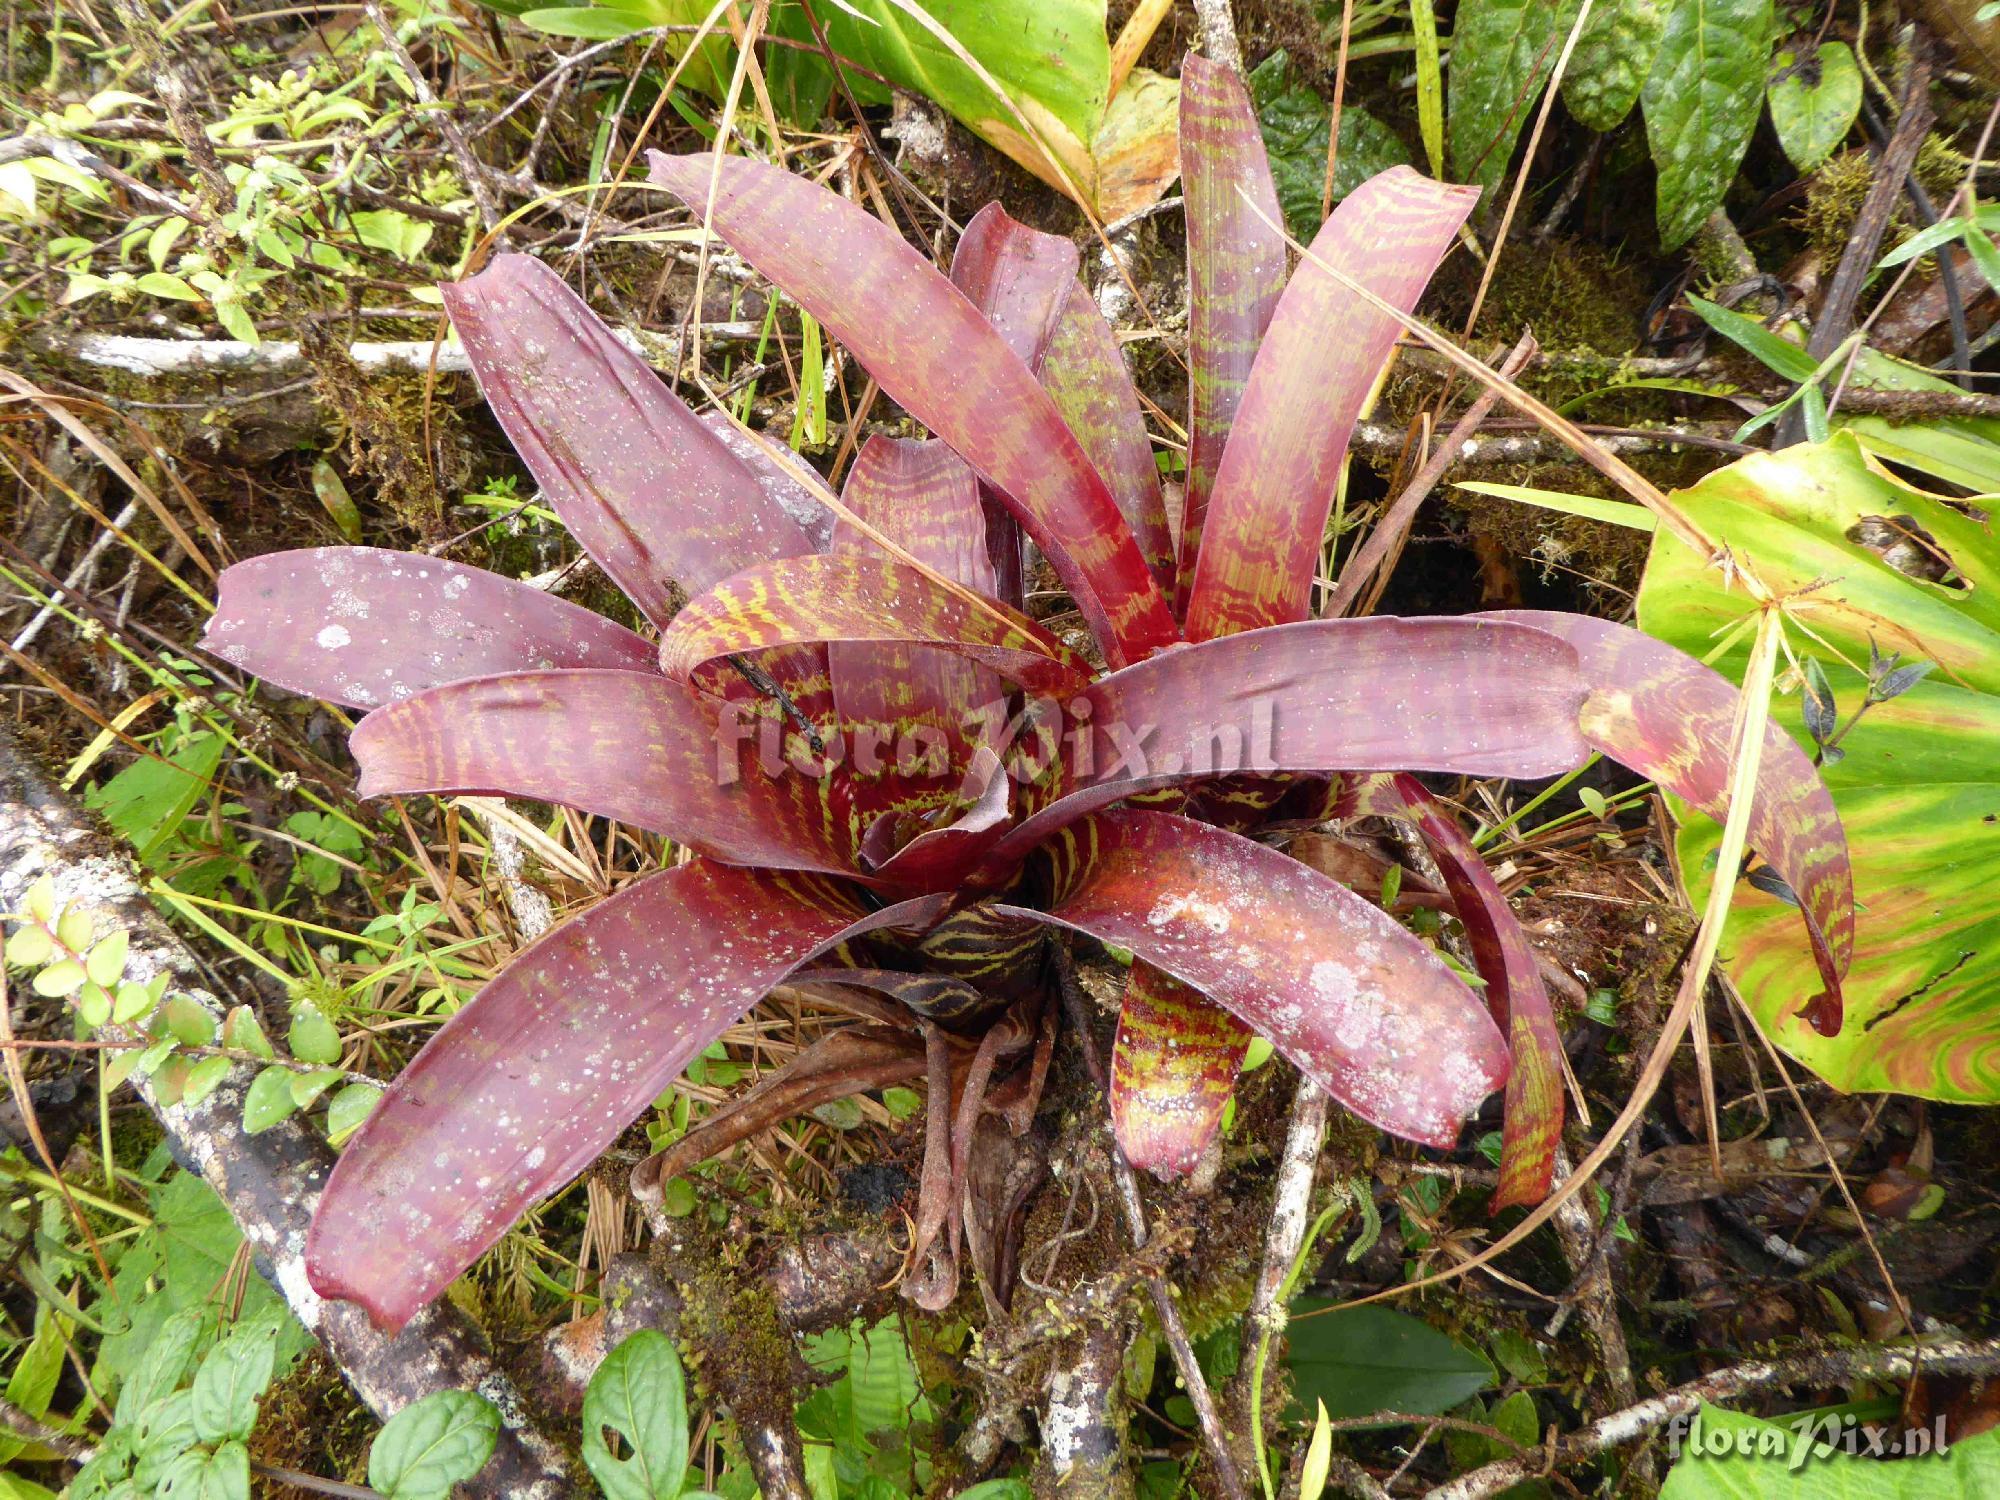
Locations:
(270, 1181)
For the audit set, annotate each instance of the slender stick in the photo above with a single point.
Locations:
(1214, 1437)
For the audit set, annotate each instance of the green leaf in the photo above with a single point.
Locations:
(1780, 1460)
(1501, 53)
(188, 1021)
(145, 802)
(166, 284)
(63, 977)
(1702, 101)
(313, 1038)
(433, 1444)
(106, 963)
(1520, 1356)
(30, 945)
(392, 230)
(242, 1032)
(1918, 789)
(638, 1393)
(1780, 355)
(1368, 1359)
(1295, 123)
(341, 510)
(132, 1002)
(268, 1100)
(1815, 96)
(1613, 58)
(1430, 84)
(203, 1078)
(307, 1087)
(166, 1360)
(1319, 1456)
(231, 1378)
(32, 1384)
(348, 1108)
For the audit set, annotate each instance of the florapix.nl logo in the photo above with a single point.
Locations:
(1798, 1441)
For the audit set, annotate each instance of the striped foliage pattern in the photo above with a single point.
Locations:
(875, 765)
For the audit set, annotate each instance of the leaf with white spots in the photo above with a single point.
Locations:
(541, 1071)
(363, 626)
(1353, 1000)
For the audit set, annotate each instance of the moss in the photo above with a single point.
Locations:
(730, 1333)
(1574, 295)
(310, 1421)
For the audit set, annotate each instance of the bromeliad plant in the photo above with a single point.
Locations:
(886, 779)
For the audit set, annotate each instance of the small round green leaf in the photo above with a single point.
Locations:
(268, 1101)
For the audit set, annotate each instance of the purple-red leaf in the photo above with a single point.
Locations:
(1658, 710)
(1172, 1068)
(1236, 271)
(851, 596)
(363, 626)
(1371, 694)
(928, 346)
(753, 450)
(527, 1085)
(1354, 1001)
(1026, 283)
(648, 490)
(1514, 990)
(627, 745)
(1319, 361)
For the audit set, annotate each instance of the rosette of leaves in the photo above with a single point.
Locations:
(1898, 640)
(798, 629)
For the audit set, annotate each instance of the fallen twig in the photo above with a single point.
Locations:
(1821, 1367)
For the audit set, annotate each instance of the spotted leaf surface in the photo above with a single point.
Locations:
(1614, 55)
(1353, 1000)
(363, 626)
(1316, 367)
(1661, 712)
(527, 1085)
(855, 597)
(627, 745)
(928, 346)
(1918, 785)
(1236, 271)
(647, 489)
(1173, 1065)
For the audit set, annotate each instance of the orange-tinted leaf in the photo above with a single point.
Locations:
(1353, 1000)
(627, 745)
(1172, 1068)
(1236, 270)
(527, 1085)
(851, 596)
(1661, 712)
(648, 490)
(929, 347)
(1318, 363)
(364, 626)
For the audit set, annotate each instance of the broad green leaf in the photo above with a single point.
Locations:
(596, 23)
(1501, 53)
(1368, 1359)
(106, 962)
(231, 1378)
(268, 1100)
(166, 1360)
(313, 1038)
(433, 1444)
(1729, 1456)
(1918, 786)
(1613, 58)
(203, 1078)
(1702, 101)
(1295, 123)
(348, 1108)
(188, 1021)
(30, 945)
(145, 802)
(1815, 96)
(640, 1395)
(32, 1384)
